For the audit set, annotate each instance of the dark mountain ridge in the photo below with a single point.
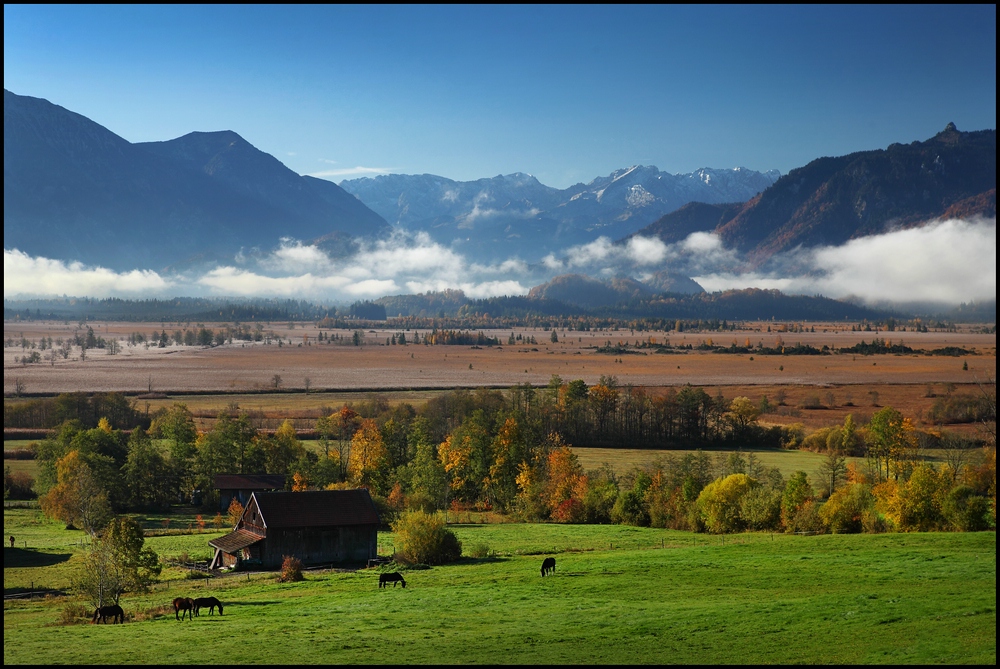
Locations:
(832, 200)
(75, 191)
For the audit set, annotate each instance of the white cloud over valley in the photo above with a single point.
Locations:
(944, 262)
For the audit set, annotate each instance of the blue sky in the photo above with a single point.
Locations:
(566, 93)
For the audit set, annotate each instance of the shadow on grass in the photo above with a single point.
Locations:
(37, 593)
(23, 557)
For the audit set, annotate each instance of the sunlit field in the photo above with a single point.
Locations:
(619, 594)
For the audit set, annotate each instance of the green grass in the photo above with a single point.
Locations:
(11, 444)
(756, 598)
(624, 459)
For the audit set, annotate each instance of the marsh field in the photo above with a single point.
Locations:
(620, 594)
(375, 366)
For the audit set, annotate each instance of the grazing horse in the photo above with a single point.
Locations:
(548, 565)
(114, 612)
(210, 602)
(391, 578)
(183, 605)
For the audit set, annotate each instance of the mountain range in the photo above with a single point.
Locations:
(832, 200)
(516, 215)
(75, 191)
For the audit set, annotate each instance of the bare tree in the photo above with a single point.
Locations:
(308, 383)
(276, 380)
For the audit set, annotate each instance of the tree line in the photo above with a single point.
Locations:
(508, 451)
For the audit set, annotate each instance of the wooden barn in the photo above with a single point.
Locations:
(241, 486)
(317, 527)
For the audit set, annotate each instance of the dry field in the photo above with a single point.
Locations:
(243, 367)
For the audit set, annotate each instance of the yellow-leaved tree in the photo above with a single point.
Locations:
(368, 457)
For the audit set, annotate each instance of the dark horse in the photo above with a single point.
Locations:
(183, 605)
(391, 578)
(114, 612)
(210, 602)
(548, 565)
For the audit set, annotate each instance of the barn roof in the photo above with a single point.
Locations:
(316, 508)
(235, 541)
(249, 481)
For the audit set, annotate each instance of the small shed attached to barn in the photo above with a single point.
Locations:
(317, 527)
(241, 486)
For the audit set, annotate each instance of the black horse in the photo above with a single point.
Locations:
(391, 578)
(114, 612)
(183, 605)
(548, 565)
(210, 602)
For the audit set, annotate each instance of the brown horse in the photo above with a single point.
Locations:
(393, 578)
(210, 602)
(183, 605)
(114, 612)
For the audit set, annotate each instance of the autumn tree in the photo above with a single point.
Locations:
(283, 449)
(366, 466)
(77, 499)
(235, 511)
(742, 415)
(564, 471)
(719, 502)
(118, 563)
(891, 445)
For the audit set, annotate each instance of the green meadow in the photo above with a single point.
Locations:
(619, 595)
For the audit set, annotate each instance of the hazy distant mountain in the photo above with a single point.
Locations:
(666, 281)
(73, 190)
(748, 304)
(515, 214)
(587, 292)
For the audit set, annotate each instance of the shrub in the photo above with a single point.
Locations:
(843, 512)
(920, 499)
(153, 612)
(806, 519)
(965, 510)
(760, 508)
(480, 550)
(873, 522)
(423, 538)
(18, 485)
(812, 402)
(569, 511)
(792, 435)
(719, 502)
(74, 614)
(291, 570)
(797, 493)
(630, 510)
(599, 499)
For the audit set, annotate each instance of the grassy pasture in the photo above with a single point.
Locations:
(623, 460)
(754, 598)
